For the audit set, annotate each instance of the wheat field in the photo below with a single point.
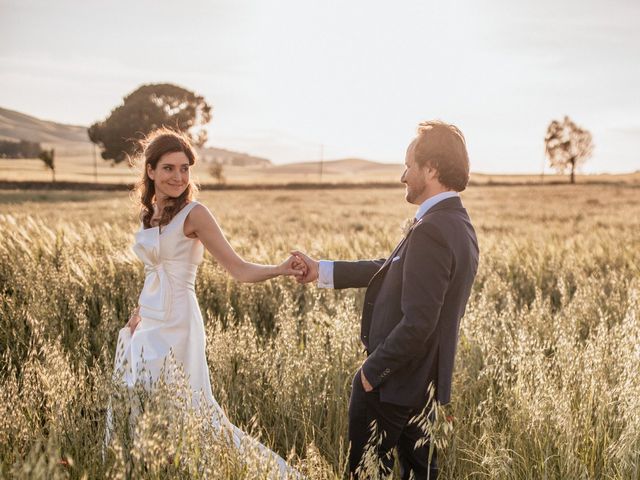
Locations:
(547, 382)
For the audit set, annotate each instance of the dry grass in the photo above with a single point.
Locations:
(546, 383)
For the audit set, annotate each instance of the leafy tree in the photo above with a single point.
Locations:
(144, 110)
(48, 157)
(567, 146)
(216, 170)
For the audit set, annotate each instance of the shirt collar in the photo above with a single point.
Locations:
(431, 201)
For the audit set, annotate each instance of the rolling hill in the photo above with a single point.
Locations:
(72, 140)
(19, 126)
(341, 166)
(75, 162)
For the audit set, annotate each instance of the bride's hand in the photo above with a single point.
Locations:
(134, 320)
(293, 266)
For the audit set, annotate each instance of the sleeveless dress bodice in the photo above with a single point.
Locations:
(171, 261)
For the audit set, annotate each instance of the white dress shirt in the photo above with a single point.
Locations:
(325, 268)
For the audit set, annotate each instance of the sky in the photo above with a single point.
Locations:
(294, 80)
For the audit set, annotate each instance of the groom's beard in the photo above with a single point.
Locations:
(414, 192)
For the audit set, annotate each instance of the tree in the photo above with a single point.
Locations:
(567, 146)
(216, 170)
(48, 157)
(144, 110)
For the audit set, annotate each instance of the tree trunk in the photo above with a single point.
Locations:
(573, 169)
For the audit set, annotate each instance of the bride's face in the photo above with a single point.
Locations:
(171, 175)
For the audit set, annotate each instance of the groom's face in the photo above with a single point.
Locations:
(414, 177)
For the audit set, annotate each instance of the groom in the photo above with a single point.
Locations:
(413, 305)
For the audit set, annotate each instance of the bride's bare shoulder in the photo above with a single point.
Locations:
(199, 217)
(199, 210)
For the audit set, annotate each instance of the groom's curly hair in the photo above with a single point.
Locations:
(442, 146)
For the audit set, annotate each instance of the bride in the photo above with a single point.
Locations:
(174, 233)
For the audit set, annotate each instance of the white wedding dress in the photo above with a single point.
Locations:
(171, 325)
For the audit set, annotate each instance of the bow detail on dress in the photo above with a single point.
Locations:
(164, 276)
(156, 294)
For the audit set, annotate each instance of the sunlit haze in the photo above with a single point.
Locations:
(289, 79)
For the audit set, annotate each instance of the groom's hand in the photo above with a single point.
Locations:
(293, 266)
(313, 267)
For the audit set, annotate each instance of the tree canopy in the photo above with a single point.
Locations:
(150, 107)
(567, 145)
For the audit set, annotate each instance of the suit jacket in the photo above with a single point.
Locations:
(413, 305)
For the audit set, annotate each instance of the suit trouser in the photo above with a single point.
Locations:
(393, 421)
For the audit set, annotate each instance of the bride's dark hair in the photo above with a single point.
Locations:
(158, 143)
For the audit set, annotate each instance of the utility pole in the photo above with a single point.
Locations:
(321, 159)
(95, 164)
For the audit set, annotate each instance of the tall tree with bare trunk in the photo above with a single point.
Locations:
(567, 146)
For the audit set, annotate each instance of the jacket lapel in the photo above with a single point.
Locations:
(387, 262)
(453, 202)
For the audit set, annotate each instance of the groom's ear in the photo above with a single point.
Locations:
(430, 172)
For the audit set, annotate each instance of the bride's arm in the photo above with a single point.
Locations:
(201, 224)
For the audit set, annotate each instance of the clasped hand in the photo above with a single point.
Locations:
(304, 268)
(309, 266)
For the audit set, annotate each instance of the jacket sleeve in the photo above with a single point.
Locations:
(426, 275)
(356, 274)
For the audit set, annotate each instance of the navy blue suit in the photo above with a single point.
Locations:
(410, 321)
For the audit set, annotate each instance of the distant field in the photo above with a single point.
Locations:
(78, 166)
